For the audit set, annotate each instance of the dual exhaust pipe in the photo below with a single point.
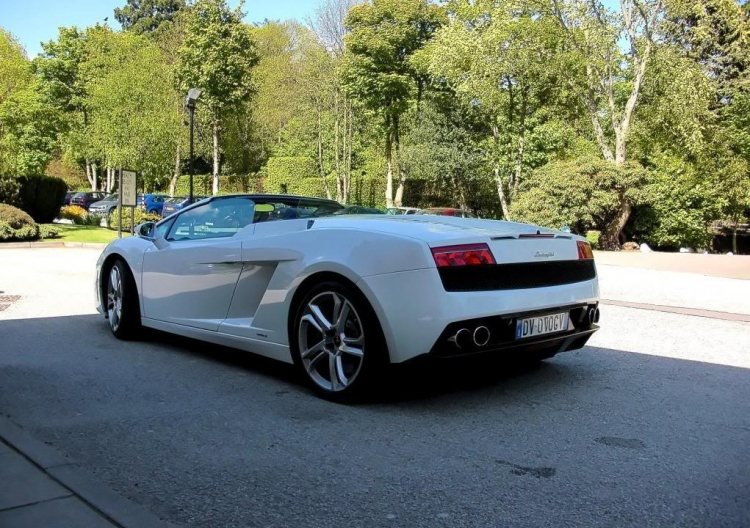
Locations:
(465, 338)
(593, 315)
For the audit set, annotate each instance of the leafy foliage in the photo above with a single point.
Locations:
(15, 69)
(16, 225)
(146, 16)
(140, 216)
(48, 231)
(583, 193)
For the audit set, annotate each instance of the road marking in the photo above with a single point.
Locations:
(711, 314)
(7, 300)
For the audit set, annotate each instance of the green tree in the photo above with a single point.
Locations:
(378, 70)
(15, 68)
(147, 16)
(217, 56)
(607, 78)
(59, 71)
(29, 128)
(495, 57)
(135, 119)
(583, 193)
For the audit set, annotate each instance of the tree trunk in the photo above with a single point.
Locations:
(400, 190)
(389, 174)
(94, 178)
(498, 177)
(337, 152)
(176, 173)
(401, 174)
(610, 238)
(89, 177)
(350, 143)
(321, 169)
(216, 154)
(521, 143)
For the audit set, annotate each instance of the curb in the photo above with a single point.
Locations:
(68, 474)
(39, 245)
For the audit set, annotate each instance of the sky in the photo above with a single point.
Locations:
(35, 21)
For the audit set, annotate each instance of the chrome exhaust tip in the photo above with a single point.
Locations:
(591, 315)
(596, 315)
(462, 339)
(481, 336)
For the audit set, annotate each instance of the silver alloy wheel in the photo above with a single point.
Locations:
(114, 298)
(331, 341)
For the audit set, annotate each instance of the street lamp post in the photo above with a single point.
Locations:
(192, 97)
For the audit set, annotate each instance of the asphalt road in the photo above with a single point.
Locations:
(648, 426)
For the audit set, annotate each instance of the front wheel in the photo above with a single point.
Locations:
(337, 342)
(123, 311)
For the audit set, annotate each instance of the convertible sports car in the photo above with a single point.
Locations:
(342, 296)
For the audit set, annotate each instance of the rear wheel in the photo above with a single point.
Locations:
(337, 342)
(123, 311)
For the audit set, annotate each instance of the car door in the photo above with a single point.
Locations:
(189, 276)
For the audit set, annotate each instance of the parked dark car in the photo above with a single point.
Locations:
(152, 203)
(68, 196)
(172, 205)
(447, 211)
(85, 199)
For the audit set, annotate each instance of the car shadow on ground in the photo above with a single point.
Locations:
(421, 380)
(165, 419)
(424, 378)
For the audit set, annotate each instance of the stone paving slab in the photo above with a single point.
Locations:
(22, 483)
(68, 512)
(40, 487)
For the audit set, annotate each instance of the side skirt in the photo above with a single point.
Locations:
(262, 348)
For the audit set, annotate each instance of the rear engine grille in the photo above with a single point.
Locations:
(516, 276)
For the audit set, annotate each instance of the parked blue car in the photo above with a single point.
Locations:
(172, 205)
(152, 203)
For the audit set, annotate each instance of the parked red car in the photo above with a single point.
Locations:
(448, 211)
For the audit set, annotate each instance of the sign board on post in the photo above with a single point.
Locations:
(128, 189)
(127, 197)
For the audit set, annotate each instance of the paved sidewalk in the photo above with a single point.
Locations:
(730, 267)
(40, 487)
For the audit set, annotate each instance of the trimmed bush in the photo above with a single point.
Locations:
(228, 184)
(16, 224)
(42, 197)
(140, 216)
(73, 213)
(48, 231)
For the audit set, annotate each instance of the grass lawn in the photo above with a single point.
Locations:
(75, 233)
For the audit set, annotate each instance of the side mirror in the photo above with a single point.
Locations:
(146, 230)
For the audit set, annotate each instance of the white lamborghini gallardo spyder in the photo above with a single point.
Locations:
(341, 296)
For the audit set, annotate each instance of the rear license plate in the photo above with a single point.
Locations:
(541, 325)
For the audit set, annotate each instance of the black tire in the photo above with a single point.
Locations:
(364, 372)
(124, 323)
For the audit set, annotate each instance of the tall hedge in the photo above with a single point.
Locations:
(228, 184)
(40, 196)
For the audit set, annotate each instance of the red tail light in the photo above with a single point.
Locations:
(584, 250)
(465, 255)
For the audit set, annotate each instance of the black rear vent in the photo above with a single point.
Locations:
(518, 276)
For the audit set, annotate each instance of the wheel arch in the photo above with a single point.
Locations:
(106, 266)
(320, 276)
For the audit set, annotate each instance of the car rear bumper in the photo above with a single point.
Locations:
(415, 311)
